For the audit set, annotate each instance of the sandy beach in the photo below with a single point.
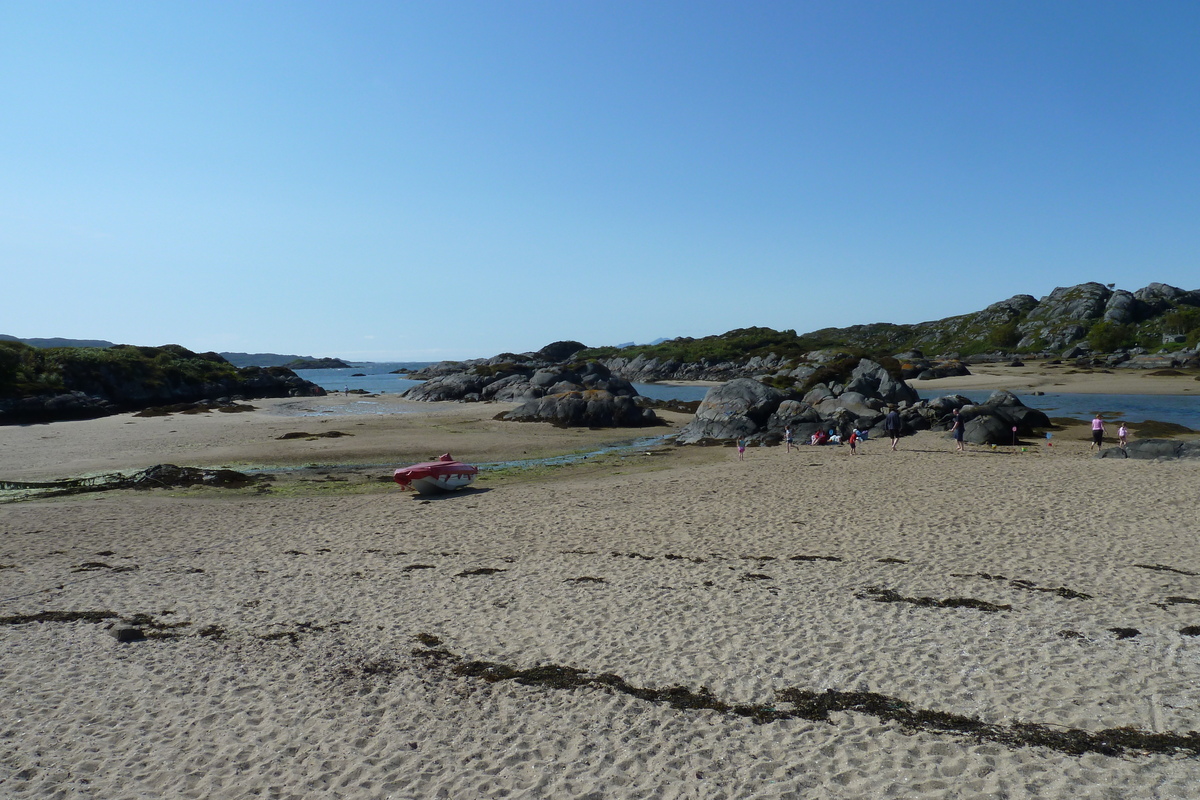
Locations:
(1066, 377)
(656, 622)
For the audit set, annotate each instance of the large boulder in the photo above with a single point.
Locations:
(510, 388)
(593, 408)
(1159, 297)
(987, 429)
(1124, 308)
(1009, 408)
(872, 380)
(447, 387)
(1154, 449)
(741, 407)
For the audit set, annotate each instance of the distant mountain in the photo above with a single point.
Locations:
(56, 342)
(262, 359)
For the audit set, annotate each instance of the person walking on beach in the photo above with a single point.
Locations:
(891, 424)
(853, 442)
(1097, 433)
(787, 438)
(741, 444)
(957, 429)
(1123, 435)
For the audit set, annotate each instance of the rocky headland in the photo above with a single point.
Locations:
(61, 383)
(840, 377)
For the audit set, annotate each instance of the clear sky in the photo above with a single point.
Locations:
(428, 180)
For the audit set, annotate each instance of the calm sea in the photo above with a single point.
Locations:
(1180, 409)
(377, 379)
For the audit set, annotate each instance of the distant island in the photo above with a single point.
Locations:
(317, 363)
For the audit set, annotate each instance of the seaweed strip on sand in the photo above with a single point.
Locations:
(796, 703)
(1161, 568)
(892, 596)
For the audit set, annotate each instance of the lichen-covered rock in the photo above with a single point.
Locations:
(1064, 316)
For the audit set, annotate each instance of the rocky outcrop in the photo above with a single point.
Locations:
(511, 381)
(745, 408)
(1064, 316)
(1154, 449)
(86, 383)
(739, 408)
(592, 408)
(1001, 419)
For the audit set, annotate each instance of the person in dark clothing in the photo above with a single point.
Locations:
(957, 430)
(891, 424)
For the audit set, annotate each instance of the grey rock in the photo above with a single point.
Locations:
(510, 387)
(1155, 449)
(125, 633)
(1123, 308)
(987, 429)
(592, 408)
(734, 409)
(447, 387)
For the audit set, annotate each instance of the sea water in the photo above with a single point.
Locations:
(379, 378)
(1181, 409)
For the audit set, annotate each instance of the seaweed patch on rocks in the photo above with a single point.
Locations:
(160, 476)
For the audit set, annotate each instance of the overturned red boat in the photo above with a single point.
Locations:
(432, 477)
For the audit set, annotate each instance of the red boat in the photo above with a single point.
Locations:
(431, 477)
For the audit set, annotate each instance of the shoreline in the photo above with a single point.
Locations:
(1064, 379)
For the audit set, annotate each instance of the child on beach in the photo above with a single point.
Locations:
(787, 438)
(853, 442)
(741, 444)
(957, 429)
(1123, 435)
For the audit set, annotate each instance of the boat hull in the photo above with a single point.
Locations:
(442, 483)
(435, 477)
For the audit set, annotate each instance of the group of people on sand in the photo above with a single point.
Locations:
(893, 426)
(1098, 431)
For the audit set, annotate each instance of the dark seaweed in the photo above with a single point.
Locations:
(1161, 568)
(796, 703)
(481, 571)
(891, 596)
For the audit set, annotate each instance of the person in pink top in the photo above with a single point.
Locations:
(1097, 433)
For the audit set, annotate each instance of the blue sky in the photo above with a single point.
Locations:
(429, 180)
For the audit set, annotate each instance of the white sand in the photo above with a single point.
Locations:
(315, 691)
(1066, 377)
